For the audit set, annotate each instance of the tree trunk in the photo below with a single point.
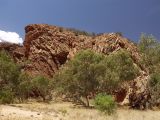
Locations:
(87, 100)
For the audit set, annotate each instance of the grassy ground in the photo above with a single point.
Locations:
(67, 111)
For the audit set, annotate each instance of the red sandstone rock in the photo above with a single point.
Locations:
(47, 48)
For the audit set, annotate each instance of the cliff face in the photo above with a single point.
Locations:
(47, 48)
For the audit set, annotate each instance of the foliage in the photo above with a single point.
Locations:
(122, 64)
(119, 68)
(9, 71)
(81, 32)
(6, 96)
(150, 49)
(90, 72)
(105, 103)
(80, 77)
(40, 87)
(24, 86)
(154, 88)
(17, 84)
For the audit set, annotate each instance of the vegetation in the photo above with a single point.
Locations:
(87, 75)
(90, 73)
(154, 88)
(15, 84)
(6, 96)
(81, 32)
(40, 87)
(119, 68)
(9, 73)
(150, 49)
(80, 77)
(105, 103)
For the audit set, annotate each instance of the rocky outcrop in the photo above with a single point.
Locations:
(15, 50)
(47, 48)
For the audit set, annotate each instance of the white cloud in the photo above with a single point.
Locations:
(11, 37)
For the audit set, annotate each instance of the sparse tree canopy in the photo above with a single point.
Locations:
(150, 49)
(119, 68)
(80, 77)
(90, 72)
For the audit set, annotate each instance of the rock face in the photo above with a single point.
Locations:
(15, 50)
(47, 48)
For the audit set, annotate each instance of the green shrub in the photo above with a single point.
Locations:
(119, 67)
(149, 47)
(40, 87)
(9, 71)
(81, 75)
(6, 97)
(24, 87)
(89, 72)
(20, 84)
(105, 103)
(154, 88)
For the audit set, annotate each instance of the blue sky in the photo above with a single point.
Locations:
(131, 17)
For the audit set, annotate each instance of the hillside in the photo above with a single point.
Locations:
(46, 48)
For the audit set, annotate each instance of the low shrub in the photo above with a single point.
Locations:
(105, 103)
(40, 87)
(154, 88)
(6, 97)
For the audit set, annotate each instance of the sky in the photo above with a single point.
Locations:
(130, 17)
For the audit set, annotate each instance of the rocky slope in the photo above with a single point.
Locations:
(46, 48)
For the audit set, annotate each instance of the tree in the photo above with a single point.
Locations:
(40, 87)
(81, 75)
(89, 73)
(119, 68)
(24, 87)
(17, 84)
(146, 42)
(150, 49)
(154, 88)
(9, 71)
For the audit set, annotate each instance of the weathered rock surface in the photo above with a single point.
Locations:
(15, 50)
(47, 48)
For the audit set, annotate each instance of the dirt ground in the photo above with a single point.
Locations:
(67, 111)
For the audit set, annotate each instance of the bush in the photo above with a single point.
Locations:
(81, 32)
(24, 87)
(19, 85)
(149, 47)
(81, 75)
(119, 68)
(6, 96)
(105, 103)
(89, 72)
(154, 88)
(40, 87)
(9, 71)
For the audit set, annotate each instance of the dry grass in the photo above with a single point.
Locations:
(67, 111)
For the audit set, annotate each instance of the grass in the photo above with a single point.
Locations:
(68, 111)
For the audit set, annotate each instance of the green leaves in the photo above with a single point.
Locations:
(105, 103)
(9, 71)
(89, 72)
(150, 49)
